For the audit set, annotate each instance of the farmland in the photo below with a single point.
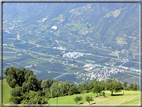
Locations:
(48, 63)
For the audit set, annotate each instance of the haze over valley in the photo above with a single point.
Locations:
(73, 42)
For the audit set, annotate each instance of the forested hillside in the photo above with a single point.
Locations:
(27, 89)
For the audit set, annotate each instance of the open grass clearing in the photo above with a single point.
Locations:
(130, 97)
(6, 92)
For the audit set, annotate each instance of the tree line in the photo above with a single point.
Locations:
(27, 89)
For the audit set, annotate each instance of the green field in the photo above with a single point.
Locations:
(130, 97)
(6, 92)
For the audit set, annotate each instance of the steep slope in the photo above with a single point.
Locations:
(114, 25)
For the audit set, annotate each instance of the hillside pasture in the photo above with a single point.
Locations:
(130, 97)
(6, 92)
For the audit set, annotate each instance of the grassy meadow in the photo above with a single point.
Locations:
(130, 97)
(6, 92)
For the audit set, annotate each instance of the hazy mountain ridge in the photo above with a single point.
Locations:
(113, 25)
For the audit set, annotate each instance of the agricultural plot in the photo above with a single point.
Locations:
(8, 54)
(35, 61)
(121, 40)
(95, 58)
(8, 50)
(21, 59)
(131, 65)
(133, 80)
(48, 65)
(8, 41)
(46, 50)
(56, 67)
(128, 77)
(59, 70)
(75, 63)
(123, 55)
(95, 51)
(7, 57)
(137, 58)
(45, 75)
(35, 71)
(74, 69)
(23, 46)
(67, 77)
(118, 63)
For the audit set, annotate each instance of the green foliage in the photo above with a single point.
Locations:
(113, 85)
(70, 92)
(97, 89)
(20, 77)
(87, 88)
(16, 91)
(16, 99)
(135, 86)
(103, 93)
(125, 84)
(126, 88)
(131, 86)
(25, 87)
(88, 99)
(13, 83)
(73, 90)
(80, 88)
(76, 99)
(34, 98)
(16, 77)
(47, 83)
(32, 83)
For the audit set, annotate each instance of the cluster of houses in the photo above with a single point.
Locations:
(73, 54)
(30, 66)
(90, 66)
(99, 75)
(125, 60)
(60, 48)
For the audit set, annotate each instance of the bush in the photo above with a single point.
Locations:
(126, 88)
(103, 93)
(13, 83)
(70, 93)
(76, 99)
(88, 99)
(16, 100)
(25, 88)
(16, 91)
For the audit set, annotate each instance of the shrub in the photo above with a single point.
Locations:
(13, 83)
(88, 99)
(103, 93)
